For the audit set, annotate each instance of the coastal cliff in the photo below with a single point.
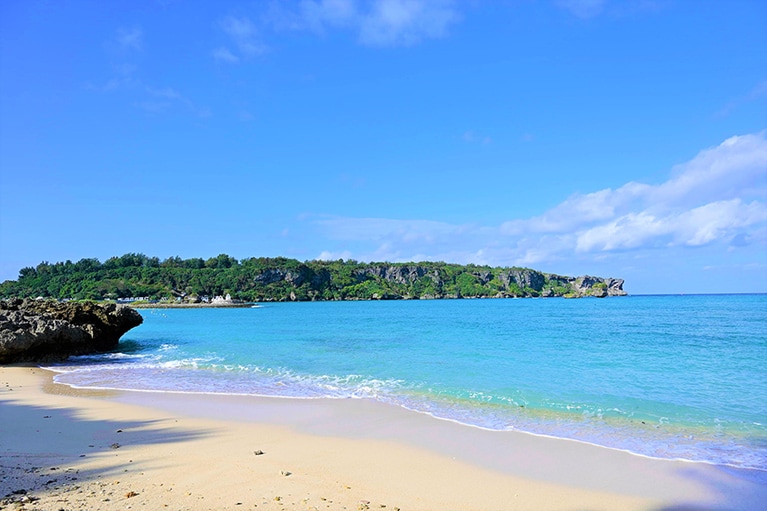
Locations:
(45, 330)
(198, 281)
(381, 281)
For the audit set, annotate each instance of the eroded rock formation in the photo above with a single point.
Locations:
(46, 330)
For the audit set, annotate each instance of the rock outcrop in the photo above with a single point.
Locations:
(46, 330)
(587, 285)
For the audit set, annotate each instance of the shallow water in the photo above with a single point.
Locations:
(664, 376)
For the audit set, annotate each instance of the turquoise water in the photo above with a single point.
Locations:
(664, 376)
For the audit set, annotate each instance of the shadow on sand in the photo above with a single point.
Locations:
(43, 449)
(735, 490)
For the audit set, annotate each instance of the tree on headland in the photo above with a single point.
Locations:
(280, 279)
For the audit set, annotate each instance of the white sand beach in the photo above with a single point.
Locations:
(62, 448)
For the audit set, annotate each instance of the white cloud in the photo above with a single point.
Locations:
(245, 116)
(167, 92)
(164, 99)
(375, 22)
(224, 55)
(579, 209)
(473, 137)
(150, 99)
(587, 9)
(154, 107)
(127, 78)
(244, 36)
(130, 38)
(625, 232)
(718, 197)
(735, 168)
(240, 29)
(583, 8)
(391, 22)
(318, 14)
(719, 220)
(757, 93)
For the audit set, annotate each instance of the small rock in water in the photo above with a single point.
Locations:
(115, 445)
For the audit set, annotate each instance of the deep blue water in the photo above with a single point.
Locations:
(665, 376)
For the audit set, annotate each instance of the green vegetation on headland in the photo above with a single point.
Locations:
(259, 279)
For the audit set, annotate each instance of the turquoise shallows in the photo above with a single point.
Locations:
(665, 376)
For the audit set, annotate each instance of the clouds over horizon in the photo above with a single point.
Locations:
(718, 197)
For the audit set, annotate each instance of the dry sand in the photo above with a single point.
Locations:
(74, 449)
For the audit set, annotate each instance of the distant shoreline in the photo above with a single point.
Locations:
(190, 305)
(245, 305)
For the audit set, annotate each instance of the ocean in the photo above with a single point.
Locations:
(679, 377)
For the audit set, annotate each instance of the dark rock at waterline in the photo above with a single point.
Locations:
(47, 330)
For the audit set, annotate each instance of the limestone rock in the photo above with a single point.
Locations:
(430, 281)
(45, 330)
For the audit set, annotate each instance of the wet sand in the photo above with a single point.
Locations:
(62, 448)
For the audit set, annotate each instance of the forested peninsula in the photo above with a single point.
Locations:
(263, 279)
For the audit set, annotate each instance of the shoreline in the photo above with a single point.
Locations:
(190, 305)
(429, 415)
(204, 445)
(260, 303)
(669, 445)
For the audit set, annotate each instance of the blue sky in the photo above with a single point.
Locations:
(624, 139)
